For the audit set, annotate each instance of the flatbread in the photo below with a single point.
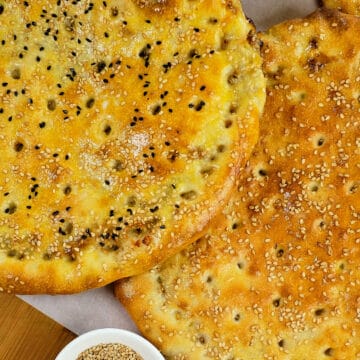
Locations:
(347, 6)
(278, 276)
(123, 124)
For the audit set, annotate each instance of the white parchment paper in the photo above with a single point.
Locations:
(98, 308)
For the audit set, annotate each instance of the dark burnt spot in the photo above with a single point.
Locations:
(107, 130)
(16, 74)
(11, 253)
(51, 105)
(263, 172)
(173, 155)
(276, 302)
(313, 43)
(315, 65)
(319, 312)
(90, 103)
(154, 6)
(252, 38)
(100, 66)
(114, 11)
(329, 352)
(281, 343)
(333, 16)
(189, 195)
(69, 23)
(145, 54)
(19, 146)
(67, 190)
(11, 209)
(280, 253)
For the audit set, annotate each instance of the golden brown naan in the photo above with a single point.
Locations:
(278, 277)
(122, 125)
(347, 6)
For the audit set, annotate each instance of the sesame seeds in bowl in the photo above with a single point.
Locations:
(109, 343)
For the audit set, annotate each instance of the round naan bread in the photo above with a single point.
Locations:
(278, 275)
(122, 127)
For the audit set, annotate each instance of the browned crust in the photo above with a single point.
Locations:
(347, 6)
(105, 116)
(277, 277)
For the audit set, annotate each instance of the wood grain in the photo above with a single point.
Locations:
(27, 334)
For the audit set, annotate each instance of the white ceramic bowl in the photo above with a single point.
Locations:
(105, 336)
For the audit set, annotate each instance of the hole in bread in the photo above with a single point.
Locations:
(161, 284)
(319, 224)
(107, 129)
(279, 253)
(100, 66)
(213, 158)
(71, 256)
(320, 141)
(51, 104)
(131, 201)
(193, 54)
(201, 339)
(156, 109)
(90, 103)
(221, 148)
(46, 256)
(251, 36)
(16, 74)
(172, 155)
(68, 228)
(237, 317)
(209, 279)
(235, 225)
(319, 312)
(207, 171)
(315, 64)
(313, 43)
(228, 124)
(114, 11)
(233, 78)
(233, 108)
(240, 265)
(281, 343)
(352, 187)
(11, 253)
(224, 44)
(11, 208)
(69, 23)
(189, 195)
(329, 351)
(314, 186)
(118, 165)
(275, 71)
(18, 146)
(276, 302)
(200, 105)
(262, 172)
(213, 20)
(67, 190)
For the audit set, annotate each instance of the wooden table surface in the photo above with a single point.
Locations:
(27, 334)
